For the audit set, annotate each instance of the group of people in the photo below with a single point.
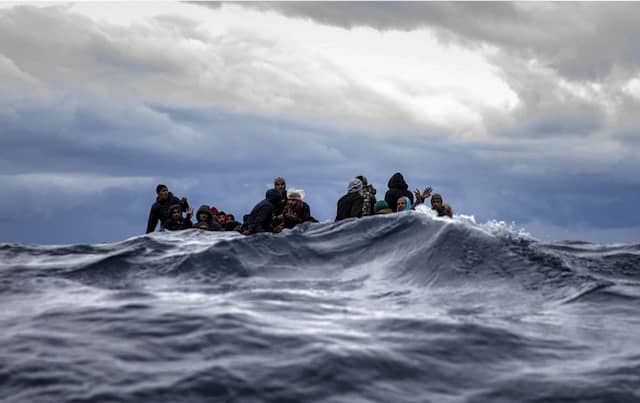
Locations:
(282, 209)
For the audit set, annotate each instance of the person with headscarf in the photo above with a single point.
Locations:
(296, 211)
(403, 204)
(350, 205)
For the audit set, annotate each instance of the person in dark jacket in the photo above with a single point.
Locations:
(176, 222)
(403, 204)
(397, 188)
(160, 209)
(368, 196)
(261, 217)
(280, 185)
(231, 224)
(205, 220)
(296, 211)
(350, 205)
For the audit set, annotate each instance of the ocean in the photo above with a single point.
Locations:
(400, 308)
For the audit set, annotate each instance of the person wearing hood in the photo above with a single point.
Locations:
(397, 188)
(160, 209)
(176, 222)
(368, 196)
(350, 205)
(403, 204)
(205, 220)
(261, 217)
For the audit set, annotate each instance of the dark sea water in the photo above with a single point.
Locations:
(400, 308)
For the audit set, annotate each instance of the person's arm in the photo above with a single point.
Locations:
(152, 221)
(185, 204)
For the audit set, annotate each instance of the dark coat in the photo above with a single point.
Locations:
(350, 205)
(261, 216)
(397, 188)
(160, 211)
(212, 224)
(177, 225)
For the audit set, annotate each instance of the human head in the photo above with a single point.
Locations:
(355, 186)
(274, 196)
(230, 218)
(175, 211)
(204, 213)
(436, 201)
(363, 179)
(404, 204)
(162, 191)
(221, 217)
(279, 184)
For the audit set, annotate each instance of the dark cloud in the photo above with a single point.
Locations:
(71, 168)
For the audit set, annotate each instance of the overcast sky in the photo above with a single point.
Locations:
(516, 112)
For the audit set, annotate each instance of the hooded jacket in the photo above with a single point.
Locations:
(261, 216)
(397, 188)
(350, 205)
(160, 211)
(212, 225)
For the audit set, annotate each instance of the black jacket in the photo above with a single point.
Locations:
(397, 188)
(350, 205)
(177, 225)
(260, 218)
(160, 211)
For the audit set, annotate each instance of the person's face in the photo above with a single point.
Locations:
(222, 218)
(203, 217)
(164, 194)
(292, 202)
(279, 186)
(402, 204)
(176, 214)
(436, 203)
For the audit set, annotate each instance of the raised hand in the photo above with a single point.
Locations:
(426, 193)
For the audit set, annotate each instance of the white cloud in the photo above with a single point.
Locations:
(189, 55)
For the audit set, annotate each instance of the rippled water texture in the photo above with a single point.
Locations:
(400, 308)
